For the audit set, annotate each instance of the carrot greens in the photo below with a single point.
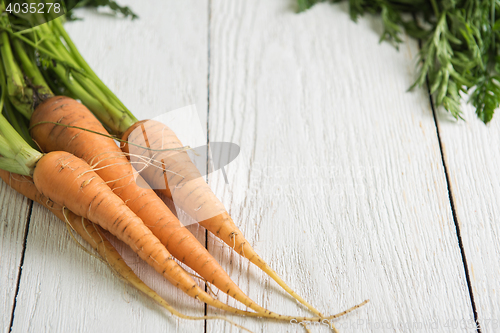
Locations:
(115, 8)
(460, 50)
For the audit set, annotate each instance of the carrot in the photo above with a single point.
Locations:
(94, 236)
(173, 174)
(111, 164)
(69, 181)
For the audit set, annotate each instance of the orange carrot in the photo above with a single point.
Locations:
(94, 236)
(174, 175)
(111, 164)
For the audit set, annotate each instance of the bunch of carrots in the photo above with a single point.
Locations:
(61, 153)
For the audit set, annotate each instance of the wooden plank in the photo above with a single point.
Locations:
(472, 157)
(154, 64)
(13, 218)
(339, 184)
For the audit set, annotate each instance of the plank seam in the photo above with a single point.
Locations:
(209, 14)
(21, 263)
(453, 211)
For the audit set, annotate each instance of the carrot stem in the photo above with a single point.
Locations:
(78, 57)
(16, 87)
(86, 98)
(36, 44)
(17, 155)
(18, 122)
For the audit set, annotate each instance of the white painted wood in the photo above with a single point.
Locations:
(339, 184)
(13, 219)
(155, 64)
(472, 156)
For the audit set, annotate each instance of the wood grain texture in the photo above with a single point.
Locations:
(339, 184)
(13, 218)
(472, 157)
(154, 64)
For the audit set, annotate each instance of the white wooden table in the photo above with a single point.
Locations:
(349, 186)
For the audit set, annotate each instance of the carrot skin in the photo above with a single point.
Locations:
(107, 158)
(70, 182)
